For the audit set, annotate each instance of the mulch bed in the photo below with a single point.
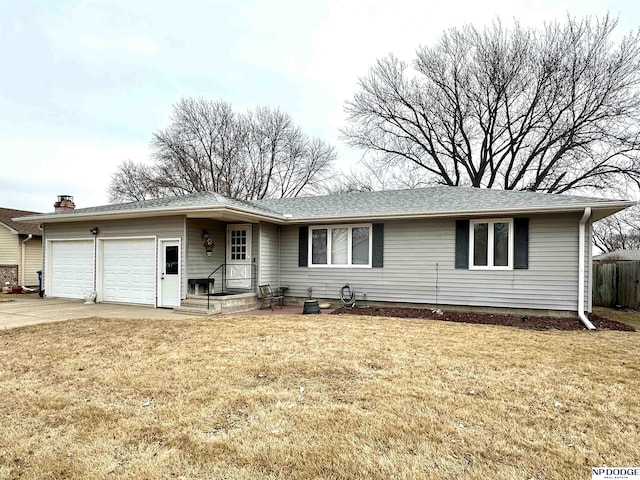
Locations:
(520, 321)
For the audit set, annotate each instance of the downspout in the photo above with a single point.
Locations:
(581, 259)
(24, 258)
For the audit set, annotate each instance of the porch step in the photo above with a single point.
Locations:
(197, 304)
(195, 311)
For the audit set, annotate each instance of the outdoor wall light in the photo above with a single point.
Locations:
(208, 245)
(205, 233)
(93, 231)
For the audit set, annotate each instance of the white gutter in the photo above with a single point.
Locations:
(24, 258)
(581, 259)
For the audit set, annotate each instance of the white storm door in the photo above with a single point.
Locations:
(169, 265)
(238, 256)
(71, 272)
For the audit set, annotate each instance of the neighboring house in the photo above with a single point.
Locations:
(618, 256)
(20, 249)
(449, 246)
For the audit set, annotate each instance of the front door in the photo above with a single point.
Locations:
(169, 273)
(238, 256)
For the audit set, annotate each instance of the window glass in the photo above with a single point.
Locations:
(171, 260)
(360, 246)
(238, 245)
(319, 246)
(339, 245)
(501, 244)
(480, 242)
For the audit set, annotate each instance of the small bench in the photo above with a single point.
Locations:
(268, 297)
(207, 285)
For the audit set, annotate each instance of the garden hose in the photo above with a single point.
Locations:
(347, 296)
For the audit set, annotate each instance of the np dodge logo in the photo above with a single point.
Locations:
(615, 473)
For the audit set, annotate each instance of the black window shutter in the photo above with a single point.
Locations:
(303, 246)
(462, 243)
(521, 243)
(377, 243)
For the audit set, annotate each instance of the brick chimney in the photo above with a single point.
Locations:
(64, 203)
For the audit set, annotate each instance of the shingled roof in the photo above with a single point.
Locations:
(200, 200)
(8, 214)
(424, 200)
(432, 201)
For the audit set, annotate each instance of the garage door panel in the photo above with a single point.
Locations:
(129, 271)
(71, 274)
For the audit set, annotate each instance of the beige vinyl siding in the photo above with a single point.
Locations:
(11, 254)
(33, 261)
(417, 251)
(269, 255)
(160, 227)
(9, 247)
(198, 264)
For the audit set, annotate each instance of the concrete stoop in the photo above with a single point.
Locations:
(197, 304)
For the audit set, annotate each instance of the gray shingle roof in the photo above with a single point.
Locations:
(422, 200)
(192, 200)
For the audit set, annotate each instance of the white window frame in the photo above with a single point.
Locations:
(490, 244)
(350, 228)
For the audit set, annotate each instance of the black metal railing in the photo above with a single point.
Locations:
(222, 273)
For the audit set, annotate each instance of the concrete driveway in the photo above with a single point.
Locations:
(21, 310)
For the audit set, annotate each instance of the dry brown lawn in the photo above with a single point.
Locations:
(328, 397)
(630, 317)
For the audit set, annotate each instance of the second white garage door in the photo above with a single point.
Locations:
(129, 271)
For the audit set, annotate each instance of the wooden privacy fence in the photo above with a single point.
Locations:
(616, 283)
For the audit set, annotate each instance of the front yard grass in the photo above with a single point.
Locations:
(319, 396)
(630, 317)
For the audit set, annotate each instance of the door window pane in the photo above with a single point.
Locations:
(501, 244)
(339, 245)
(171, 260)
(360, 246)
(480, 241)
(319, 246)
(238, 244)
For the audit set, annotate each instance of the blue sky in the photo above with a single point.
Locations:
(84, 84)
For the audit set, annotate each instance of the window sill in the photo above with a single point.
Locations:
(491, 268)
(339, 266)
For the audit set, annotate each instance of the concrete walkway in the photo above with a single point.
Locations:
(21, 310)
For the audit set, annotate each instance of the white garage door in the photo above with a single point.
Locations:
(71, 273)
(129, 271)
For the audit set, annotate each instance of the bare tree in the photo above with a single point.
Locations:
(551, 110)
(618, 232)
(132, 181)
(370, 176)
(209, 147)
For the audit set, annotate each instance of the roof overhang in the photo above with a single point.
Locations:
(12, 230)
(17, 232)
(221, 212)
(599, 211)
(228, 213)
